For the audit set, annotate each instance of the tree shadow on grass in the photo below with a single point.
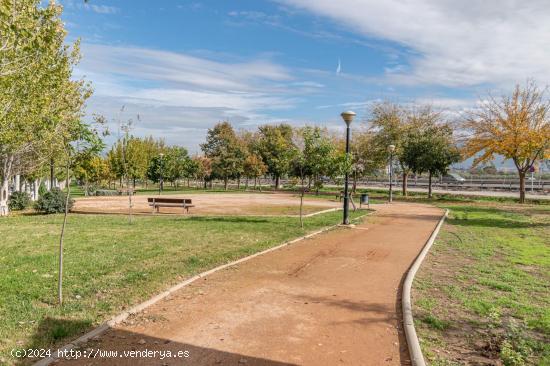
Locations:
(230, 219)
(496, 223)
(505, 218)
(134, 348)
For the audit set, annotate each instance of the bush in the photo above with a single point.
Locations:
(106, 192)
(19, 201)
(42, 189)
(53, 202)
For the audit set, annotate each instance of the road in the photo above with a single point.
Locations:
(464, 193)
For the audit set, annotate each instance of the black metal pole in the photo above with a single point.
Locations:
(391, 177)
(346, 194)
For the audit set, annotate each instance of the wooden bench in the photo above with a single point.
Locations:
(157, 202)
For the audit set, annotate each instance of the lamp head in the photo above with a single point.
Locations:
(391, 148)
(161, 155)
(348, 117)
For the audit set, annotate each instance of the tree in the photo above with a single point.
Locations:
(318, 153)
(156, 169)
(516, 127)
(276, 149)
(176, 160)
(393, 124)
(204, 168)
(367, 159)
(39, 99)
(78, 140)
(431, 150)
(254, 167)
(225, 151)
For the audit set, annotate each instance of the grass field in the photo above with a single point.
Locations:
(483, 294)
(111, 265)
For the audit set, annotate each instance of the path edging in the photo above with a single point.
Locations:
(140, 307)
(415, 352)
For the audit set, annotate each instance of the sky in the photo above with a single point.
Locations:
(183, 66)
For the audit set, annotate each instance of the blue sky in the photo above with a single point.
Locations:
(185, 65)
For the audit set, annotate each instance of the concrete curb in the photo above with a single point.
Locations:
(415, 352)
(140, 307)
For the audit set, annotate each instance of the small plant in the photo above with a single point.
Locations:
(19, 201)
(509, 356)
(53, 202)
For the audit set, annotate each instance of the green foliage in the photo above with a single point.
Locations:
(225, 150)
(430, 150)
(276, 148)
(38, 94)
(53, 202)
(42, 189)
(106, 192)
(19, 201)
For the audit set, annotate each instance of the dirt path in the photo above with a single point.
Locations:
(330, 300)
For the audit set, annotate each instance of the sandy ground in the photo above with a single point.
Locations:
(209, 203)
(330, 300)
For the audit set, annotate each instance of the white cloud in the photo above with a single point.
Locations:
(452, 43)
(179, 96)
(101, 9)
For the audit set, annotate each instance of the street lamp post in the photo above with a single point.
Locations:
(161, 180)
(348, 118)
(392, 149)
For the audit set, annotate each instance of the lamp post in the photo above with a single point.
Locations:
(161, 180)
(392, 149)
(348, 118)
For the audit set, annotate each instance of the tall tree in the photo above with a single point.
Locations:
(276, 149)
(431, 150)
(515, 126)
(39, 99)
(318, 153)
(226, 152)
(393, 124)
(254, 167)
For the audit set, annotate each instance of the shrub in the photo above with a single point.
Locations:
(42, 189)
(106, 192)
(19, 201)
(53, 202)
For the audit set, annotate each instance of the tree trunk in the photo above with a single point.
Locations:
(301, 206)
(246, 184)
(405, 180)
(134, 182)
(255, 182)
(521, 186)
(277, 183)
(225, 184)
(354, 188)
(239, 183)
(62, 237)
(4, 188)
(52, 175)
(430, 185)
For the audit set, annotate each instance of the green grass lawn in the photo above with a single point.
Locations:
(111, 265)
(483, 294)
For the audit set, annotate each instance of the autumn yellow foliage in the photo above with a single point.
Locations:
(516, 127)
